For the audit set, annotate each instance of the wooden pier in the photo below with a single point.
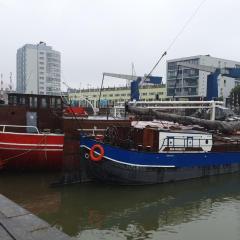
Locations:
(17, 223)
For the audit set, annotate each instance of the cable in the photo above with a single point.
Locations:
(177, 36)
(100, 93)
(186, 24)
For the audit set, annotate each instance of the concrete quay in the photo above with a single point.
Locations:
(17, 223)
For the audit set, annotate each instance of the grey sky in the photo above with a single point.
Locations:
(96, 36)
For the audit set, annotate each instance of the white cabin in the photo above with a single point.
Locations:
(185, 141)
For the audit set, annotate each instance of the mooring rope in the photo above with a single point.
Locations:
(4, 161)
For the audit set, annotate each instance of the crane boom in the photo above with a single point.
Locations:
(122, 76)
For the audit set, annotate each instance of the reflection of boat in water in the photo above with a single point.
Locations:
(31, 190)
(96, 207)
(24, 147)
(115, 208)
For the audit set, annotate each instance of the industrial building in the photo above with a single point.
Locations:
(114, 95)
(38, 69)
(189, 83)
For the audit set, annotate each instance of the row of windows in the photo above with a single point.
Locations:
(34, 102)
(128, 95)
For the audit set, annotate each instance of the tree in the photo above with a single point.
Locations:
(236, 90)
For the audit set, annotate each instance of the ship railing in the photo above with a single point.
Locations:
(3, 128)
(196, 142)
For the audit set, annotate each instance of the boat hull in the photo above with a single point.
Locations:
(20, 151)
(137, 168)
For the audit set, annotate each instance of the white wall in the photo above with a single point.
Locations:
(31, 71)
(225, 84)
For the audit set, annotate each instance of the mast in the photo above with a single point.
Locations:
(1, 86)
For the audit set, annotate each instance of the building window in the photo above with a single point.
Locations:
(41, 52)
(42, 68)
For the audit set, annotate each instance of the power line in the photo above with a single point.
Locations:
(177, 36)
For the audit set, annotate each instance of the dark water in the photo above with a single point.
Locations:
(198, 209)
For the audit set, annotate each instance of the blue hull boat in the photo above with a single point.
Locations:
(179, 156)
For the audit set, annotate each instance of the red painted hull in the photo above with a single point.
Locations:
(23, 151)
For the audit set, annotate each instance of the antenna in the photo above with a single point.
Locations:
(10, 85)
(133, 74)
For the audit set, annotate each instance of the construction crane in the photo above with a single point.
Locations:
(212, 78)
(135, 81)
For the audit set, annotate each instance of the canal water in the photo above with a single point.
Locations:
(207, 208)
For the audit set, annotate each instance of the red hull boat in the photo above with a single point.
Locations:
(24, 148)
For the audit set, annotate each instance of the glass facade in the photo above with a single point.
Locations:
(182, 81)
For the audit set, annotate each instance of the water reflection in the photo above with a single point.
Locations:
(95, 211)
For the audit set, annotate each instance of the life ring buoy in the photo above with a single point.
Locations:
(100, 154)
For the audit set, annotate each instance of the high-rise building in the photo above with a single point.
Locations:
(192, 83)
(38, 69)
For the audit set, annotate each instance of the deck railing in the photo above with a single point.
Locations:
(4, 127)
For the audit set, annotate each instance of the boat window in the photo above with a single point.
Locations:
(52, 102)
(22, 100)
(170, 141)
(43, 102)
(206, 141)
(33, 102)
(59, 103)
(14, 100)
(1, 128)
(189, 141)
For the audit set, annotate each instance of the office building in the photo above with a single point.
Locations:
(115, 95)
(191, 83)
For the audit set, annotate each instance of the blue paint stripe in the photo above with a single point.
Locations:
(165, 159)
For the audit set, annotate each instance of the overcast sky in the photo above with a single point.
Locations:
(96, 36)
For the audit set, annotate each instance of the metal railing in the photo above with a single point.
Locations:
(3, 127)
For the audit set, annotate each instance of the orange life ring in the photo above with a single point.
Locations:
(100, 155)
